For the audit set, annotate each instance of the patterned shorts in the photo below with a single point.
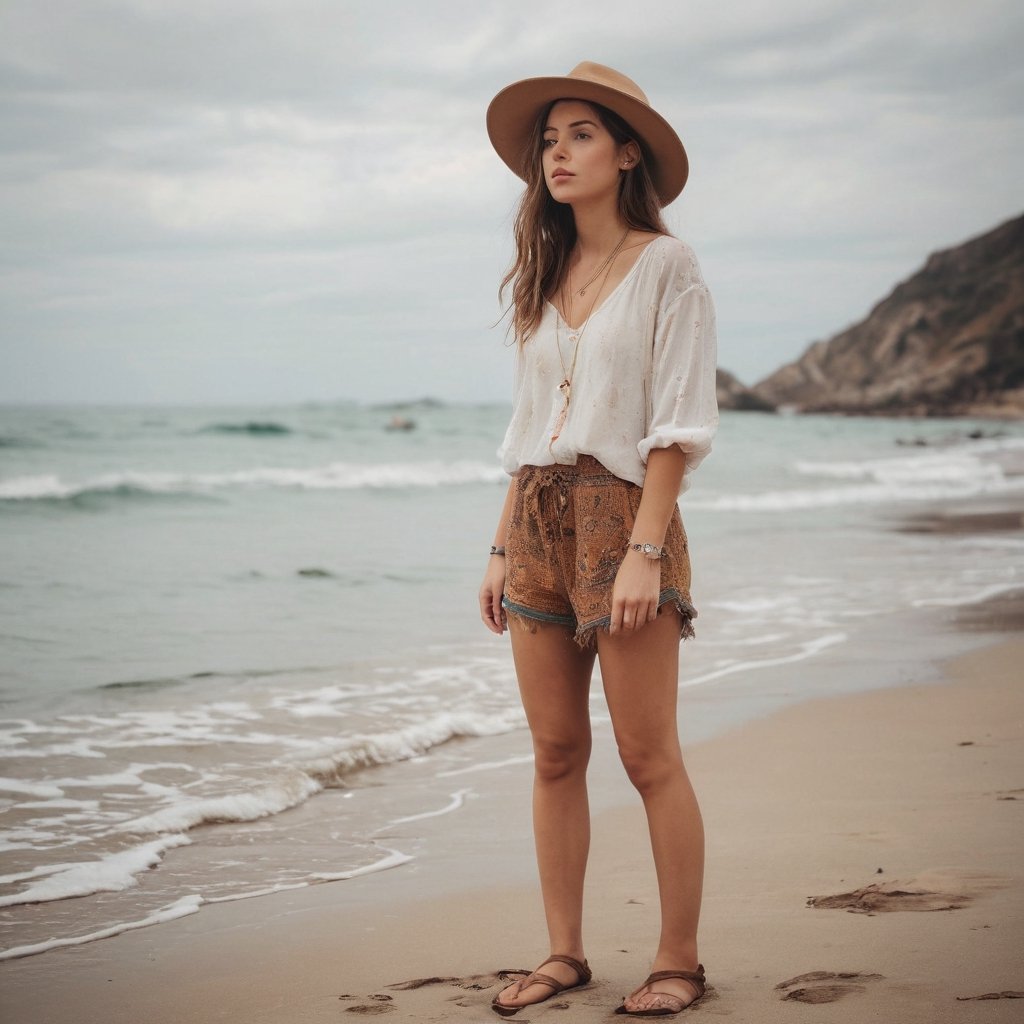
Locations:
(568, 532)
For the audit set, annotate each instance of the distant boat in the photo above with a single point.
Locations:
(400, 423)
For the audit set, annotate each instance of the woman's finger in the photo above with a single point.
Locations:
(631, 615)
(486, 608)
(616, 620)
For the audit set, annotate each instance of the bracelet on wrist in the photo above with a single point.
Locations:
(495, 550)
(651, 551)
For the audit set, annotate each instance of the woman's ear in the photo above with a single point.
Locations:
(629, 156)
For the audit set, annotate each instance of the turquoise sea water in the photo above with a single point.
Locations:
(216, 620)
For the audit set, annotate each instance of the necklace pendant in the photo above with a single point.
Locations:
(559, 423)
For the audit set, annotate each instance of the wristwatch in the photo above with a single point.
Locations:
(648, 550)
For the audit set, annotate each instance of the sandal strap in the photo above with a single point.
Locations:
(695, 978)
(537, 977)
(583, 972)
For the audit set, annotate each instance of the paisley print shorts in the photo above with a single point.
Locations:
(568, 532)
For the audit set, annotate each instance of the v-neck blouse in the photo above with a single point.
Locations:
(644, 376)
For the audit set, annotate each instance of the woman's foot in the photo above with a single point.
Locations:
(557, 974)
(665, 993)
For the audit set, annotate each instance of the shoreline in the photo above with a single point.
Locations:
(808, 799)
(444, 781)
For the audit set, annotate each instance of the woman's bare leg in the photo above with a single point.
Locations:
(640, 671)
(554, 682)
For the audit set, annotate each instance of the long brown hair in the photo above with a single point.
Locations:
(545, 230)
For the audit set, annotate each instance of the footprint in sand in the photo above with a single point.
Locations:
(991, 995)
(382, 1004)
(475, 982)
(934, 889)
(470, 983)
(882, 899)
(824, 986)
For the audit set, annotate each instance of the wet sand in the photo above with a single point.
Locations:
(863, 856)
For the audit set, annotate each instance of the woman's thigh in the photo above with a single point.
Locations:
(554, 682)
(641, 684)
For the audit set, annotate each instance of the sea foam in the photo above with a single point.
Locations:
(112, 873)
(948, 473)
(332, 476)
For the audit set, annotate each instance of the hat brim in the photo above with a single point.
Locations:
(513, 113)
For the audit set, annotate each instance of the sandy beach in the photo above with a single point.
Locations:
(906, 803)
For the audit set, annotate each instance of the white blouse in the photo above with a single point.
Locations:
(644, 376)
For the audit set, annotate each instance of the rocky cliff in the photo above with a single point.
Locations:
(948, 341)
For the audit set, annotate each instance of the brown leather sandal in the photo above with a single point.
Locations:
(583, 976)
(695, 978)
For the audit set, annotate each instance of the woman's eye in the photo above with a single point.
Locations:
(548, 142)
(582, 135)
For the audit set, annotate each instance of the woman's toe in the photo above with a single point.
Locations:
(508, 996)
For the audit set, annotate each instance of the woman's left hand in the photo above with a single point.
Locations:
(635, 592)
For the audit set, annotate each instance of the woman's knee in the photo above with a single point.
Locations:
(650, 767)
(557, 757)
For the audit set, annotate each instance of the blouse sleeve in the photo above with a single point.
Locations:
(683, 406)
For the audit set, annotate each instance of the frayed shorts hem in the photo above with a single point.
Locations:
(585, 636)
(533, 613)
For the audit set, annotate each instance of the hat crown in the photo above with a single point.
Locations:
(599, 74)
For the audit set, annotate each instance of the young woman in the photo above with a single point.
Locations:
(614, 405)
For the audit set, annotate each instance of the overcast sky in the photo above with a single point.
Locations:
(246, 200)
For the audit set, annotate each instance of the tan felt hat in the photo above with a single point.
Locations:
(513, 112)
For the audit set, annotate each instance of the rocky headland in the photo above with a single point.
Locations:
(948, 341)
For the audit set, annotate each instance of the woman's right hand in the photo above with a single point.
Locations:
(491, 590)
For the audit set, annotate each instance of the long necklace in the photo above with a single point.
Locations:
(590, 280)
(576, 335)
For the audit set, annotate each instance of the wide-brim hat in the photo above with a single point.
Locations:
(513, 113)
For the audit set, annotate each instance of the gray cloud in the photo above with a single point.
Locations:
(251, 200)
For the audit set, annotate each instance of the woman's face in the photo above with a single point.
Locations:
(581, 159)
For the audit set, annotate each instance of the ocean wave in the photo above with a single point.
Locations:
(296, 777)
(190, 904)
(334, 760)
(976, 597)
(960, 464)
(807, 649)
(256, 428)
(8, 441)
(931, 476)
(333, 476)
(259, 802)
(179, 908)
(787, 501)
(112, 873)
